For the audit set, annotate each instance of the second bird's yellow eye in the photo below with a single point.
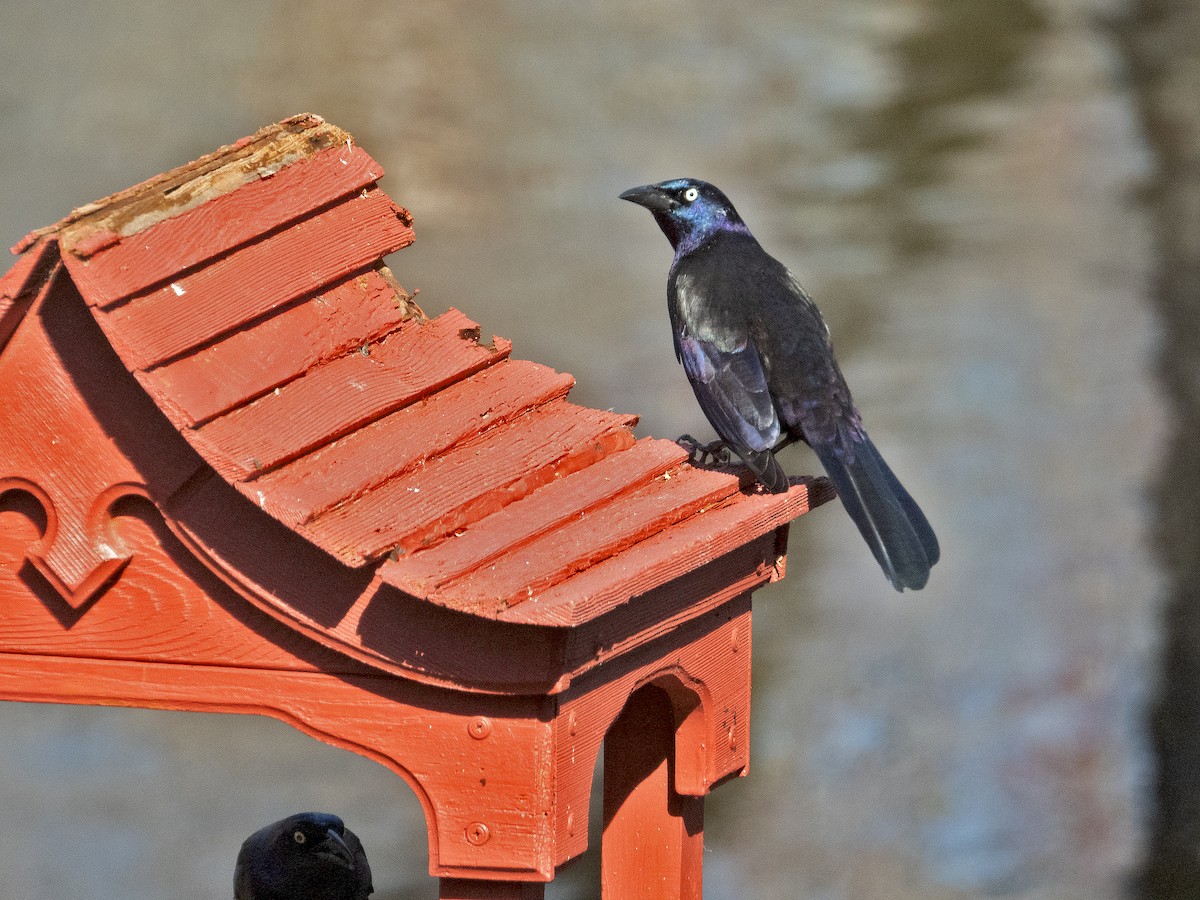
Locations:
(299, 837)
(690, 194)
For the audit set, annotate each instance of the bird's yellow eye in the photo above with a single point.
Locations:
(690, 194)
(299, 837)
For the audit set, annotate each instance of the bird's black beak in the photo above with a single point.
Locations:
(334, 848)
(649, 196)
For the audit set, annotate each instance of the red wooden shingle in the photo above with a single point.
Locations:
(408, 438)
(589, 538)
(510, 530)
(471, 481)
(122, 265)
(667, 555)
(333, 399)
(204, 304)
(247, 364)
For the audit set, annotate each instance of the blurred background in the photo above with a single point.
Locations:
(996, 204)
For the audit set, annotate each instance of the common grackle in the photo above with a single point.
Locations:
(308, 856)
(760, 360)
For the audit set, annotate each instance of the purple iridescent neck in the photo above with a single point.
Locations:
(693, 238)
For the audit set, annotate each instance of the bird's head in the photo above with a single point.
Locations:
(311, 849)
(688, 210)
(316, 838)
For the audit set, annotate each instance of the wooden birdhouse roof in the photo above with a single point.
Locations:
(246, 294)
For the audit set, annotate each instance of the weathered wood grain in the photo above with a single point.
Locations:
(473, 480)
(280, 193)
(249, 363)
(333, 399)
(188, 186)
(202, 305)
(590, 537)
(509, 531)
(410, 437)
(667, 555)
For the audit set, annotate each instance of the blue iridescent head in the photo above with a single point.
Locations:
(688, 210)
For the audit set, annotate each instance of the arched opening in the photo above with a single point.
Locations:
(151, 803)
(653, 839)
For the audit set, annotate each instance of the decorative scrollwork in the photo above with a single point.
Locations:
(75, 554)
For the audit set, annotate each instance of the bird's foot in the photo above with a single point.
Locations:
(716, 453)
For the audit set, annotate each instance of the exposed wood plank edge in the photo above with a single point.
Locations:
(560, 390)
(500, 352)
(413, 309)
(428, 586)
(118, 271)
(667, 555)
(667, 518)
(213, 174)
(331, 354)
(615, 439)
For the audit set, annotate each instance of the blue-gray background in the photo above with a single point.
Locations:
(962, 186)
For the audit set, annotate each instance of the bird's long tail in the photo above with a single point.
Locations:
(892, 524)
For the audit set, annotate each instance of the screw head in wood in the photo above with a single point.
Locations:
(479, 727)
(478, 834)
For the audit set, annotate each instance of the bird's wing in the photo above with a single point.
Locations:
(808, 388)
(722, 362)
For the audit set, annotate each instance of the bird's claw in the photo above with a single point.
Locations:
(716, 453)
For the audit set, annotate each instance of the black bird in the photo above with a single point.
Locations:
(759, 357)
(308, 856)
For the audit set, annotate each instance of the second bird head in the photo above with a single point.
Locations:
(310, 855)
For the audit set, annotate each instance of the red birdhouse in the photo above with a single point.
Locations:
(241, 471)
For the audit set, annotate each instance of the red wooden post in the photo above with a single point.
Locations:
(240, 471)
(653, 835)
